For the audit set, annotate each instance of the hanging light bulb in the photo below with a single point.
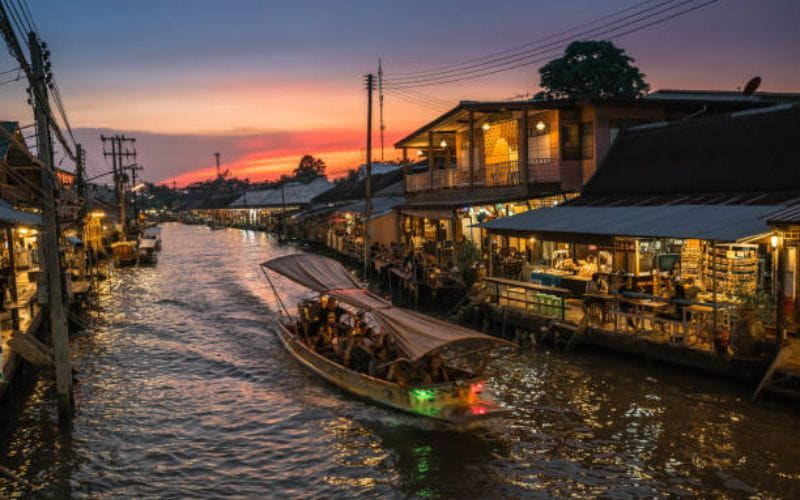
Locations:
(486, 126)
(540, 126)
(443, 144)
(419, 152)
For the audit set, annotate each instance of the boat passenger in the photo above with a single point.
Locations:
(398, 372)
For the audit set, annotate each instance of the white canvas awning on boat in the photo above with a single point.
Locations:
(320, 274)
(415, 334)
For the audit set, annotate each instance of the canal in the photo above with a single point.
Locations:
(185, 392)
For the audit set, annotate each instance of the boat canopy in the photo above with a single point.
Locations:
(147, 243)
(320, 274)
(415, 334)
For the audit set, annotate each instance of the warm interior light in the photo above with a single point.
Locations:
(773, 240)
(24, 230)
(486, 126)
(540, 126)
(419, 152)
(97, 213)
(443, 143)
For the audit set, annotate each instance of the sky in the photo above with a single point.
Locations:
(264, 82)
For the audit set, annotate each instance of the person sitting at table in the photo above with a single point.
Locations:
(596, 284)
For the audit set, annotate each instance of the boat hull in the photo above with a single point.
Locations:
(459, 404)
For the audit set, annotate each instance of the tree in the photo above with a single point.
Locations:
(309, 169)
(592, 69)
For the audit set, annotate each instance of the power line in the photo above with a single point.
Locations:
(402, 95)
(538, 49)
(527, 44)
(526, 62)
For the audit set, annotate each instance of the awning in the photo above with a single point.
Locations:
(429, 213)
(706, 222)
(147, 243)
(17, 217)
(381, 205)
(320, 274)
(414, 334)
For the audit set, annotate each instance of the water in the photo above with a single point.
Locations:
(186, 392)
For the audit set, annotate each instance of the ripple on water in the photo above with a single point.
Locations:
(185, 392)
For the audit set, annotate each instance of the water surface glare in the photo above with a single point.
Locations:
(186, 392)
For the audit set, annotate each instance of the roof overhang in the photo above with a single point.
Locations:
(724, 223)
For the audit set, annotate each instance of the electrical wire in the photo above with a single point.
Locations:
(546, 57)
(400, 94)
(528, 44)
(549, 47)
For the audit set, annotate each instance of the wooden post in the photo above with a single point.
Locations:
(522, 149)
(13, 278)
(471, 148)
(780, 311)
(714, 286)
(52, 262)
(430, 157)
(368, 174)
(491, 259)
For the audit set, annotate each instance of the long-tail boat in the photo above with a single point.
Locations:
(462, 401)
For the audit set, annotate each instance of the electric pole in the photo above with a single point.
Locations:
(368, 169)
(117, 154)
(52, 260)
(216, 156)
(380, 103)
(135, 168)
(80, 174)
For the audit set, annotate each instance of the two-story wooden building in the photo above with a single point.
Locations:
(483, 160)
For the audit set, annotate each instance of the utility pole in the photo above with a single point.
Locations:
(380, 103)
(52, 260)
(117, 154)
(368, 168)
(217, 155)
(135, 168)
(80, 181)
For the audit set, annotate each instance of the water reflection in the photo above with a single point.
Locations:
(184, 391)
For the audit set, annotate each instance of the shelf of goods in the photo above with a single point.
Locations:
(735, 268)
(690, 259)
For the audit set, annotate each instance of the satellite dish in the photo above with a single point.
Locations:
(752, 86)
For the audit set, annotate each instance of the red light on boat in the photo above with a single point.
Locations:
(478, 410)
(476, 387)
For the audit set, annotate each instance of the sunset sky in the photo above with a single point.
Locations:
(265, 82)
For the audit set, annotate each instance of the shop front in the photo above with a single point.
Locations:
(666, 267)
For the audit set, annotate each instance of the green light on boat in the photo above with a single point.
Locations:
(423, 394)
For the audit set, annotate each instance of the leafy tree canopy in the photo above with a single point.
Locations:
(309, 169)
(592, 69)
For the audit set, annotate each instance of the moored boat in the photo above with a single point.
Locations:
(124, 253)
(146, 251)
(462, 401)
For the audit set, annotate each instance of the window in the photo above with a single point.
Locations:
(570, 142)
(577, 141)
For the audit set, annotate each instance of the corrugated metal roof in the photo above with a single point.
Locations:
(707, 222)
(294, 193)
(12, 216)
(381, 205)
(790, 215)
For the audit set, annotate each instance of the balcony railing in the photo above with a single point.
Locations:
(502, 174)
(498, 174)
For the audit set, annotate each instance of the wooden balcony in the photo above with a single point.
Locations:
(540, 171)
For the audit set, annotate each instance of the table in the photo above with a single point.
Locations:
(642, 309)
